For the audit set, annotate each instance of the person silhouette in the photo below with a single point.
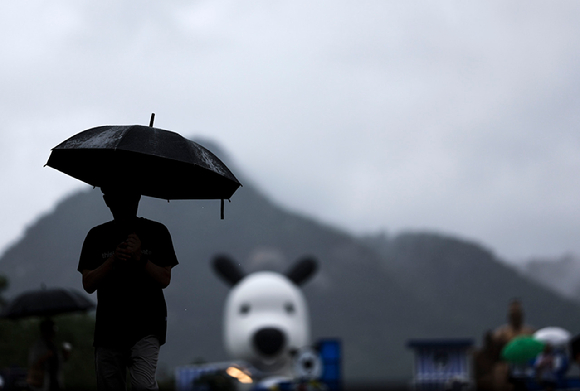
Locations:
(484, 362)
(128, 262)
(46, 360)
(515, 326)
(515, 374)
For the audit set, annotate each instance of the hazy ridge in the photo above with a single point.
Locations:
(561, 274)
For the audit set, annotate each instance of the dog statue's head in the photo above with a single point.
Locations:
(266, 317)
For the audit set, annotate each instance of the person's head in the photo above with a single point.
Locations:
(47, 329)
(516, 313)
(123, 201)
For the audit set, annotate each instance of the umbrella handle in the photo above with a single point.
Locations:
(152, 120)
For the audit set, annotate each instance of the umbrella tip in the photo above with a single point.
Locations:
(152, 119)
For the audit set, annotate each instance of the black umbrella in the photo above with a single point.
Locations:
(46, 302)
(159, 163)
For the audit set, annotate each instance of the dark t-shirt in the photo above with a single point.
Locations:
(130, 304)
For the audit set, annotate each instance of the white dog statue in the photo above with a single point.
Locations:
(266, 318)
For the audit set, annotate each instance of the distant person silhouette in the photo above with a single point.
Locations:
(484, 363)
(128, 261)
(514, 374)
(515, 326)
(46, 360)
(548, 365)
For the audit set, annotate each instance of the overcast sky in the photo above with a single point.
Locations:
(461, 117)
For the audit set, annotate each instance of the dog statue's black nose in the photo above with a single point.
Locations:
(269, 341)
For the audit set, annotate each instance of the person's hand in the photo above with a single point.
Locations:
(134, 247)
(121, 252)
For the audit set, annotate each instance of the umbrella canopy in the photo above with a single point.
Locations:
(158, 163)
(555, 336)
(522, 349)
(46, 302)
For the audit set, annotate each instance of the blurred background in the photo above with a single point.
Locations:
(424, 152)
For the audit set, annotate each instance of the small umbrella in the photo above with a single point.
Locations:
(522, 349)
(555, 336)
(158, 163)
(46, 302)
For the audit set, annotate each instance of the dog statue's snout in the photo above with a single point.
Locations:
(269, 341)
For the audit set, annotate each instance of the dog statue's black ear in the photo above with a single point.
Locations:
(227, 269)
(302, 270)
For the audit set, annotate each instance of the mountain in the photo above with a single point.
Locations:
(372, 292)
(466, 281)
(559, 274)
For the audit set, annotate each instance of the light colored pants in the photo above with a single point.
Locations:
(111, 366)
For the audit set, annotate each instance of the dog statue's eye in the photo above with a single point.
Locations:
(289, 308)
(245, 309)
